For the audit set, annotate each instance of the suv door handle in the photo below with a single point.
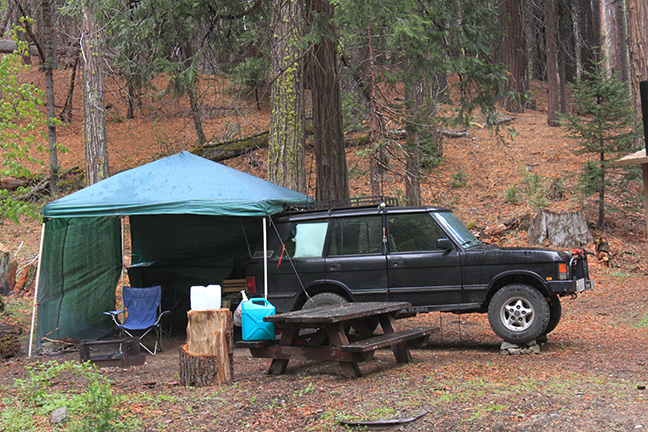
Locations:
(334, 267)
(397, 264)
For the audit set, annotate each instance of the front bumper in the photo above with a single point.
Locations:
(572, 286)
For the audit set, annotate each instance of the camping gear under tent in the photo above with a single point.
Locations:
(192, 221)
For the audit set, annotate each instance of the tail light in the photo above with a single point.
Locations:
(251, 284)
(562, 271)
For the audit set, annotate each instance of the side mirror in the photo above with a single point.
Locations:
(445, 243)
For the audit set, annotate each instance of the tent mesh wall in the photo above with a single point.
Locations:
(76, 284)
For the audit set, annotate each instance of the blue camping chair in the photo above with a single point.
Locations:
(144, 313)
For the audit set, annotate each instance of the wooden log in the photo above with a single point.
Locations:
(207, 357)
(9, 340)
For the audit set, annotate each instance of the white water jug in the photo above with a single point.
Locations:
(205, 298)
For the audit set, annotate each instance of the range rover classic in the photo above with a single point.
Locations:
(421, 255)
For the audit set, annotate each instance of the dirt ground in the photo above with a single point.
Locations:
(590, 376)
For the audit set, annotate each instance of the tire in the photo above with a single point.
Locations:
(555, 313)
(324, 299)
(519, 313)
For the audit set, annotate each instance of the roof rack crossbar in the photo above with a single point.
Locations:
(371, 201)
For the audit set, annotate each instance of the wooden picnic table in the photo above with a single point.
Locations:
(323, 333)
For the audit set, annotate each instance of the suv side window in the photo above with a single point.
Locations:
(306, 239)
(413, 232)
(356, 236)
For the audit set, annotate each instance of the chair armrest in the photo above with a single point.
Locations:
(161, 315)
(115, 313)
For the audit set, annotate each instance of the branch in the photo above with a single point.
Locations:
(32, 36)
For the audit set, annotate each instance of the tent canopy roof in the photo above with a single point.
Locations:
(178, 184)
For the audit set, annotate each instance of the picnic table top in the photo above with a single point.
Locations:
(337, 313)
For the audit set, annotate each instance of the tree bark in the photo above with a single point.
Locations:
(590, 30)
(330, 155)
(66, 112)
(207, 357)
(552, 77)
(568, 230)
(620, 30)
(287, 140)
(638, 49)
(515, 55)
(48, 66)
(95, 137)
(9, 340)
(375, 160)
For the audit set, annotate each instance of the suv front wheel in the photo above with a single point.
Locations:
(518, 313)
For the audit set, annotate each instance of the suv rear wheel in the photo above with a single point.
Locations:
(324, 299)
(518, 313)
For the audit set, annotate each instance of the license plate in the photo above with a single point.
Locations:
(580, 285)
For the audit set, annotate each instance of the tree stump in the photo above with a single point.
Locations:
(9, 342)
(566, 230)
(207, 357)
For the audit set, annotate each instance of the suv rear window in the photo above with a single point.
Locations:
(306, 239)
(356, 236)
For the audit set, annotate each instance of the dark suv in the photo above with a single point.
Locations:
(422, 255)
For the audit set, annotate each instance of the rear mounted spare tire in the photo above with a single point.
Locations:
(518, 313)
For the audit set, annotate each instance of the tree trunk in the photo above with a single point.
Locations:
(8, 12)
(48, 66)
(207, 357)
(195, 114)
(414, 98)
(287, 141)
(330, 155)
(638, 48)
(95, 138)
(620, 29)
(566, 230)
(66, 112)
(565, 50)
(590, 31)
(375, 159)
(552, 77)
(515, 55)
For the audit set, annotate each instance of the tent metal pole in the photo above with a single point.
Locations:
(36, 282)
(122, 251)
(265, 259)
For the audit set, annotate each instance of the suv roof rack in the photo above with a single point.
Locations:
(373, 201)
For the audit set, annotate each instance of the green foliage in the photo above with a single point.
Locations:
(512, 195)
(250, 73)
(22, 130)
(459, 179)
(535, 190)
(604, 127)
(93, 409)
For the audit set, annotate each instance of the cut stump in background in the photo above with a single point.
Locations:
(568, 230)
(9, 340)
(207, 357)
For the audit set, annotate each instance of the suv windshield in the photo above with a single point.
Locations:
(458, 230)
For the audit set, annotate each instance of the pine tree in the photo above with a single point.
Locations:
(605, 127)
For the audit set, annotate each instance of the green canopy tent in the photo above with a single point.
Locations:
(191, 221)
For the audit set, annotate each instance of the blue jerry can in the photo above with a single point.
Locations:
(252, 313)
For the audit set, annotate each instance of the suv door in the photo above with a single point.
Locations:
(297, 262)
(418, 270)
(355, 257)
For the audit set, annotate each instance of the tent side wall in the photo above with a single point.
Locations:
(80, 268)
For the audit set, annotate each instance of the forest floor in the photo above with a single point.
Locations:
(590, 376)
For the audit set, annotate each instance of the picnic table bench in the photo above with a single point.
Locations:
(323, 333)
